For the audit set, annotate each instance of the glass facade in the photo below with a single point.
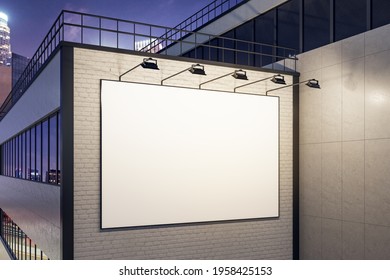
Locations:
(298, 26)
(17, 242)
(34, 153)
(316, 18)
(380, 13)
(19, 63)
(350, 19)
(264, 33)
(288, 26)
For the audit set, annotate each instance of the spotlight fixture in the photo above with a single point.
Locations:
(197, 69)
(150, 63)
(313, 83)
(240, 75)
(278, 79)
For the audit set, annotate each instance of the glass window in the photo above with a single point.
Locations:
(228, 56)
(265, 34)
(2, 159)
(214, 51)
(28, 154)
(288, 27)
(380, 13)
(59, 149)
(34, 154)
(53, 150)
(316, 20)
(17, 157)
(45, 151)
(7, 158)
(13, 157)
(20, 174)
(6, 154)
(199, 52)
(33, 157)
(350, 19)
(245, 33)
(23, 156)
(38, 157)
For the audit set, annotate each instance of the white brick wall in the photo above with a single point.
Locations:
(260, 239)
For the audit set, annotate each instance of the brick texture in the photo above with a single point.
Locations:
(256, 239)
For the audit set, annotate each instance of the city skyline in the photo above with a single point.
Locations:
(29, 23)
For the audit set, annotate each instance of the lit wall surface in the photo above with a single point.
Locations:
(178, 155)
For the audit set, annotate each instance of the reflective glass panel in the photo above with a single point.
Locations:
(380, 12)
(45, 151)
(316, 23)
(350, 18)
(288, 27)
(265, 34)
(38, 155)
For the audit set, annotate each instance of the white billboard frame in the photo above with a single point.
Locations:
(113, 204)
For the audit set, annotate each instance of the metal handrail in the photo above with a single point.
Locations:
(215, 9)
(75, 27)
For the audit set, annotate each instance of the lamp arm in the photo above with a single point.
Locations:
(178, 73)
(212, 80)
(120, 77)
(266, 93)
(247, 84)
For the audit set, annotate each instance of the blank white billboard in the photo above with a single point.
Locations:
(177, 155)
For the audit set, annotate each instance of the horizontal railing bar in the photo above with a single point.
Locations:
(58, 33)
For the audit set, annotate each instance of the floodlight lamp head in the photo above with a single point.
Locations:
(240, 75)
(150, 63)
(278, 79)
(197, 69)
(313, 83)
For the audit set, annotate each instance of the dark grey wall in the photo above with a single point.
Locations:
(34, 207)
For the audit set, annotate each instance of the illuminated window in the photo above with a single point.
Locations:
(34, 153)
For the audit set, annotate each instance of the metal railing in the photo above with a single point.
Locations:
(92, 30)
(208, 13)
(203, 16)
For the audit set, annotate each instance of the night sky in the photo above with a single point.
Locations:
(30, 20)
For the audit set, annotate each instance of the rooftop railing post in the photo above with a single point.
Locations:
(100, 31)
(171, 36)
(181, 43)
(117, 34)
(196, 51)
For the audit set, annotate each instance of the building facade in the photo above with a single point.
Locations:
(5, 58)
(343, 197)
(5, 44)
(333, 144)
(19, 64)
(5, 82)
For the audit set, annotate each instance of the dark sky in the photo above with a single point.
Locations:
(30, 20)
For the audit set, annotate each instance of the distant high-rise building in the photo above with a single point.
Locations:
(5, 58)
(5, 82)
(5, 41)
(19, 63)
